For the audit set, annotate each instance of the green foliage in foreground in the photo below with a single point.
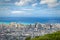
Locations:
(53, 36)
(28, 38)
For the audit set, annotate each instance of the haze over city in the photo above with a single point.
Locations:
(29, 19)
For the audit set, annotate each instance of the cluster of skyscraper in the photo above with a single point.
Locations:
(19, 31)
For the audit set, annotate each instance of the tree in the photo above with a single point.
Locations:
(28, 38)
(52, 36)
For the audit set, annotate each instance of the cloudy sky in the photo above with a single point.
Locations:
(29, 8)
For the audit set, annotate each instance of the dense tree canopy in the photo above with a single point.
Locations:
(53, 36)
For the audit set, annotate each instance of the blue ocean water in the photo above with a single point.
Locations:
(30, 19)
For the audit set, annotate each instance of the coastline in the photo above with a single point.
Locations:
(25, 23)
(16, 22)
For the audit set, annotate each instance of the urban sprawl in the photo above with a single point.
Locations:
(14, 31)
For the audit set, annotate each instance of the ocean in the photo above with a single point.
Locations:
(29, 20)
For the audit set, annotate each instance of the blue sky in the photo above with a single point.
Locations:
(29, 8)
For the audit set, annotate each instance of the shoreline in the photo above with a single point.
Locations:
(24, 23)
(16, 22)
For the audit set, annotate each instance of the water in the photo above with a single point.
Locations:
(30, 19)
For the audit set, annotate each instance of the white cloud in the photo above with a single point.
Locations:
(20, 12)
(25, 2)
(34, 4)
(17, 12)
(50, 3)
(23, 10)
(28, 9)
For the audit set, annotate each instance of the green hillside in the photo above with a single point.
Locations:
(53, 36)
